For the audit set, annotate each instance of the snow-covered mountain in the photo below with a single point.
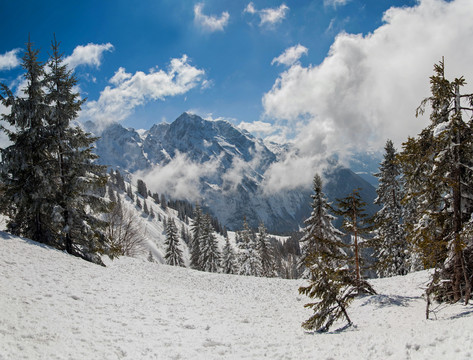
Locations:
(56, 306)
(235, 163)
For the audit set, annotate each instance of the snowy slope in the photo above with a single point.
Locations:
(55, 306)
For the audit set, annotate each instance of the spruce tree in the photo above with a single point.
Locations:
(391, 246)
(209, 253)
(318, 226)
(77, 177)
(25, 168)
(197, 231)
(443, 152)
(228, 261)
(332, 281)
(355, 223)
(265, 252)
(173, 252)
(248, 257)
(142, 189)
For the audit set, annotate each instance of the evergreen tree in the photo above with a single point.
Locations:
(173, 252)
(141, 188)
(138, 203)
(438, 170)
(197, 231)
(332, 281)
(77, 177)
(209, 253)
(163, 202)
(355, 222)
(145, 208)
(27, 198)
(392, 250)
(129, 192)
(318, 226)
(265, 252)
(111, 194)
(228, 262)
(249, 260)
(53, 189)
(150, 256)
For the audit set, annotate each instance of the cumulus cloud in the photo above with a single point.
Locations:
(259, 128)
(127, 91)
(268, 16)
(180, 177)
(368, 87)
(9, 60)
(210, 22)
(335, 3)
(90, 54)
(291, 55)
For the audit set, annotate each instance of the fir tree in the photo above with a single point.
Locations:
(209, 253)
(249, 261)
(27, 199)
(265, 252)
(228, 261)
(438, 170)
(355, 222)
(145, 208)
(197, 231)
(392, 250)
(332, 282)
(173, 252)
(141, 188)
(78, 200)
(318, 226)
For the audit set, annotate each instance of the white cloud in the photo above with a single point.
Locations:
(180, 177)
(290, 55)
(9, 60)
(368, 87)
(335, 3)
(258, 127)
(128, 91)
(90, 54)
(210, 22)
(269, 16)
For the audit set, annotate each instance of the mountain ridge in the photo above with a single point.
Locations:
(235, 163)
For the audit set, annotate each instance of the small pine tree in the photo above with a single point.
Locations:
(228, 261)
(209, 253)
(392, 248)
(138, 203)
(265, 252)
(142, 189)
(145, 208)
(197, 230)
(150, 256)
(249, 260)
(332, 281)
(173, 252)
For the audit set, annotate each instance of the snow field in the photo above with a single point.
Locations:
(55, 306)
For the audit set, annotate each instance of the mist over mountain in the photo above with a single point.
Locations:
(223, 168)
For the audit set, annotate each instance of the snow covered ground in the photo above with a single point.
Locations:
(55, 306)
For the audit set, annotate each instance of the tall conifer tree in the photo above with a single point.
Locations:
(392, 250)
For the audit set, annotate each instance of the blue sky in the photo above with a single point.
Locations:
(236, 58)
(329, 75)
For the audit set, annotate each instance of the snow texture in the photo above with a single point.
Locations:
(55, 306)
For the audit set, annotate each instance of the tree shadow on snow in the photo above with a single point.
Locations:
(462, 315)
(381, 300)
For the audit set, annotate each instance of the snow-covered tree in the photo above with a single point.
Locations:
(248, 257)
(332, 282)
(265, 252)
(25, 169)
(197, 231)
(228, 260)
(392, 248)
(209, 253)
(438, 171)
(142, 189)
(319, 226)
(173, 252)
(53, 162)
